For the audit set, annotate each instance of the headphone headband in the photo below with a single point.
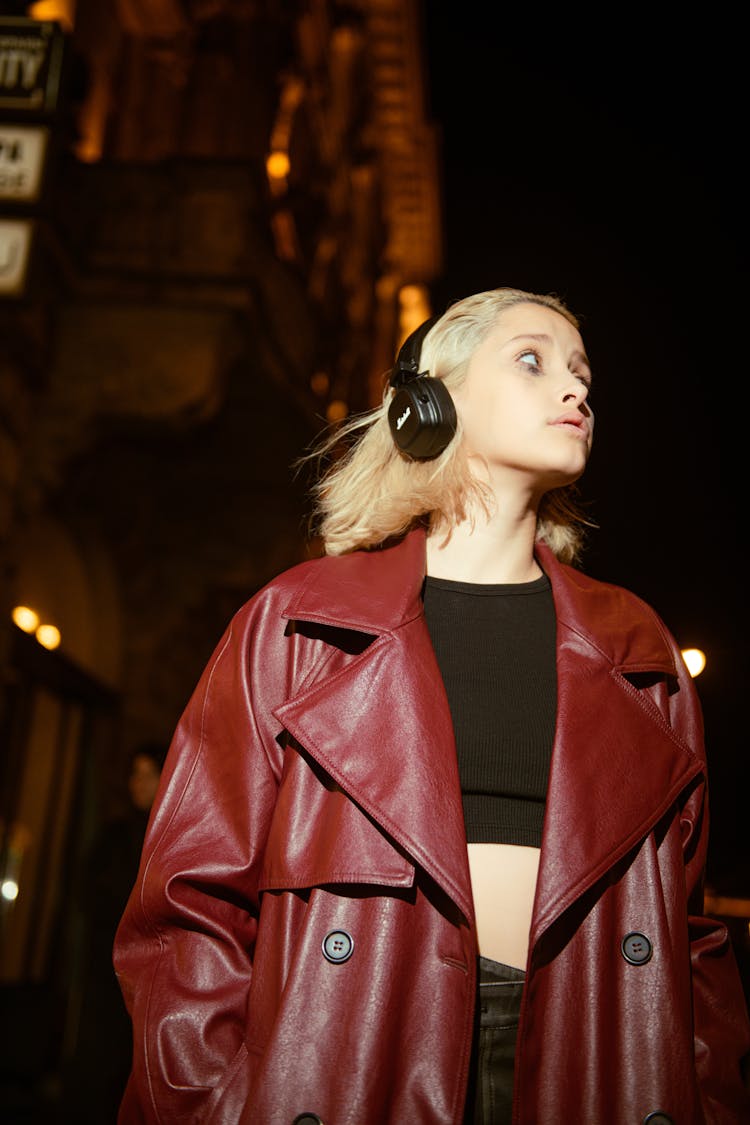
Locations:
(406, 366)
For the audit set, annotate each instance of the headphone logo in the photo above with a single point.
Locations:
(402, 418)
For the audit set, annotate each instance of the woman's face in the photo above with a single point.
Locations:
(143, 781)
(523, 403)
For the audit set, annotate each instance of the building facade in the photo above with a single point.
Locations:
(236, 220)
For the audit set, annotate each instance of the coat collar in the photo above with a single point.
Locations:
(377, 591)
(610, 750)
(371, 591)
(603, 616)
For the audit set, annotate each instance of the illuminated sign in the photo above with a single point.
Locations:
(22, 149)
(31, 54)
(15, 246)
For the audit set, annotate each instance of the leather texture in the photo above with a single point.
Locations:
(311, 799)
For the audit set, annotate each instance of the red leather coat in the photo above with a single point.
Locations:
(301, 937)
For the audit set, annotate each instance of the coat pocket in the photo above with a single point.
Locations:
(229, 1099)
(320, 836)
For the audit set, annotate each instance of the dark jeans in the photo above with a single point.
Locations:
(490, 1096)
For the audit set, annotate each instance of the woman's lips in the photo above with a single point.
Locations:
(574, 424)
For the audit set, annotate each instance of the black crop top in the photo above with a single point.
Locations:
(495, 647)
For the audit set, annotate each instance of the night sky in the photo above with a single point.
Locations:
(602, 162)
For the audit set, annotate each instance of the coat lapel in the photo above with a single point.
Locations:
(380, 726)
(616, 764)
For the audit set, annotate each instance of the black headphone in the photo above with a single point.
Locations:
(421, 414)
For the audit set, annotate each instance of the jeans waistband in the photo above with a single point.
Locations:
(495, 972)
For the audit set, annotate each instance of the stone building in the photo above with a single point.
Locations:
(238, 219)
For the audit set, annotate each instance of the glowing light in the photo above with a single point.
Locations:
(695, 660)
(25, 618)
(277, 165)
(61, 10)
(320, 383)
(411, 295)
(48, 636)
(9, 890)
(337, 410)
(414, 308)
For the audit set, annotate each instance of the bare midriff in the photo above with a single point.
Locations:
(503, 883)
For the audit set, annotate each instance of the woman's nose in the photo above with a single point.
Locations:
(576, 392)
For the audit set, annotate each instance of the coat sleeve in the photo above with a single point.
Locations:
(184, 947)
(720, 1020)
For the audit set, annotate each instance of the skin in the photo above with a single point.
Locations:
(527, 428)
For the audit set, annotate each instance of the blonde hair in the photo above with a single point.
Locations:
(374, 493)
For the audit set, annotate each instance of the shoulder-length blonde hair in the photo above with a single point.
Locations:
(374, 492)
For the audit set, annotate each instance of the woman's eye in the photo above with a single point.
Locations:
(530, 359)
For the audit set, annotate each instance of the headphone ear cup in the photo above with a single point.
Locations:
(422, 418)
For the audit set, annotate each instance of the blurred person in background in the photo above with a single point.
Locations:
(103, 1052)
(430, 843)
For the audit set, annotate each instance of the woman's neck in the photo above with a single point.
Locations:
(498, 548)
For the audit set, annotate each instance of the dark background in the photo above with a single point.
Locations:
(601, 161)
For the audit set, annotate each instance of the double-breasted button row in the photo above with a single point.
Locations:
(637, 950)
(655, 1118)
(338, 946)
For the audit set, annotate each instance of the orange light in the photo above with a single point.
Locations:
(25, 618)
(277, 165)
(320, 383)
(414, 309)
(337, 410)
(62, 11)
(48, 636)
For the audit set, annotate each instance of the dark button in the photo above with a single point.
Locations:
(338, 946)
(637, 949)
(308, 1119)
(657, 1118)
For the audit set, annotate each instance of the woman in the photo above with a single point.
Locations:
(310, 938)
